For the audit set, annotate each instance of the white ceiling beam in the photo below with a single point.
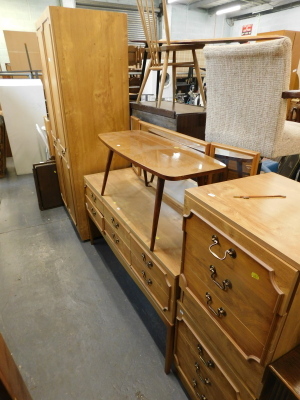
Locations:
(201, 4)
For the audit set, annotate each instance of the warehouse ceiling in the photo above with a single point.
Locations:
(248, 7)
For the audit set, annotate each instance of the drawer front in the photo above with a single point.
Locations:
(152, 275)
(202, 372)
(95, 214)
(220, 345)
(95, 199)
(117, 240)
(240, 291)
(119, 229)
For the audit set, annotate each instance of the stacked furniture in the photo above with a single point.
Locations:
(85, 78)
(124, 216)
(240, 294)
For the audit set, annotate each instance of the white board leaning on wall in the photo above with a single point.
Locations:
(23, 106)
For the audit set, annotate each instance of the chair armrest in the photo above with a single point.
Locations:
(291, 94)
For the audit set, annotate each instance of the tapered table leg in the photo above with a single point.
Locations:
(108, 163)
(157, 205)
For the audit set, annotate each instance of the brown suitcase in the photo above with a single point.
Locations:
(46, 185)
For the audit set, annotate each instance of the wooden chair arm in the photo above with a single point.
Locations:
(291, 94)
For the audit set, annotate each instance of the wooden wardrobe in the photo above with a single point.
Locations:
(85, 74)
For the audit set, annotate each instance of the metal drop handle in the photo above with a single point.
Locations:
(206, 381)
(209, 363)
(201, 396)
(115, 238)
(230, 252)
(226, 284)
(115, 224)
(220, 311)
(93, 211)
(148, 281)
(148, 263)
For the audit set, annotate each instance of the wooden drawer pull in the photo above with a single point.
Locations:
(230, 252)
(220, 311)
(209, 363)
(226, 284)
(201, 396)
(206, 381)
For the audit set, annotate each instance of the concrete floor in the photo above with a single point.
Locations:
(76, 324)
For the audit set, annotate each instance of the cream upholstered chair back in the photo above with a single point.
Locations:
(244, 104)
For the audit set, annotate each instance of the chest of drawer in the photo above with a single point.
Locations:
(239, 290)
(220, 345)
(202, 372)
(153, 276)
(112, 221)
(94, 199)
(95, 214)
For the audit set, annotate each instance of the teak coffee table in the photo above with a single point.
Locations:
(164, 158)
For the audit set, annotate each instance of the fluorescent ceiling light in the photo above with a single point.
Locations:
(228, 10)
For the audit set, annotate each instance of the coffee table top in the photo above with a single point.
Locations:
(160, 156)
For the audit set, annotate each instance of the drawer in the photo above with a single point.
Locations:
(153, 276)
(202, 372)
(95, 214)
(113, 221)
(118, 241)
(243, 287)
(95, 199)
(218, 344)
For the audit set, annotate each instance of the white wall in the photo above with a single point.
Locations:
(283, 20)
(19, 15)
(195, 24)
(191, 24)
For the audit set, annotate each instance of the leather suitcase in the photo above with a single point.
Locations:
(46, 185)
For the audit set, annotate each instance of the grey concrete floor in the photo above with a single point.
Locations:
(76, 324)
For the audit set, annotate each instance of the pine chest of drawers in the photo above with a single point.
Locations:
(239, 285)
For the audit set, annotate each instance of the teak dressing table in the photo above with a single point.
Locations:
(162, 157)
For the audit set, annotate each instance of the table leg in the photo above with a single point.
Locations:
(157, 205)
(201, 180)
(108, 162)
(146, 178)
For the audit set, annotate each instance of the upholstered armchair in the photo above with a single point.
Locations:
(245, 107)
